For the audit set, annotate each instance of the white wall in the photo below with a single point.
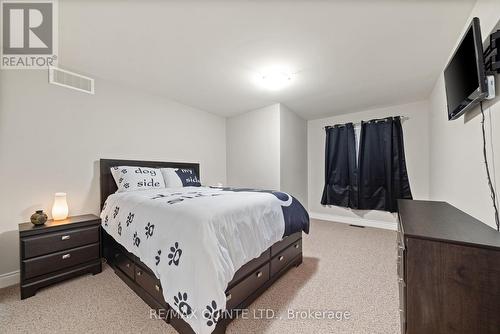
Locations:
(267, 149)
(293, 154)
(458, 174)
(51, 139)
(253, 148)
(416, 139)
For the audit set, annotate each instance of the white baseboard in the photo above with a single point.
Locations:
(354, 221)
(9, 279)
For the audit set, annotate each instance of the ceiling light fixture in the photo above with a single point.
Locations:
(274, 79)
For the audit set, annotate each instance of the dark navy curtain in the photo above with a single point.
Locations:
(340, 167)
(383, 177)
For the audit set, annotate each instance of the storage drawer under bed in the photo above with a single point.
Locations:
(246, 281)
(148, 281)
(250, 267)
(246, 287)
(281, 260)
(125, 264)
(285, 243)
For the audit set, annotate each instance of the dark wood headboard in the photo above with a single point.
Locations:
(108, 185)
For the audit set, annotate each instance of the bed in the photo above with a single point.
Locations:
(137, 268)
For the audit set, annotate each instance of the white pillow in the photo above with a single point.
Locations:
(180, 177)
(129, 178)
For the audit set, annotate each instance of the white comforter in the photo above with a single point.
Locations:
(194, 239)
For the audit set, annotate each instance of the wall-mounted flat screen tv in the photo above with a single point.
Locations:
(464, 76)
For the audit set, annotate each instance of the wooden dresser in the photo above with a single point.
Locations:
(58, 250)
(448, 271)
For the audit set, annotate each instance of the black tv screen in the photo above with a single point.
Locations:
(464, 76)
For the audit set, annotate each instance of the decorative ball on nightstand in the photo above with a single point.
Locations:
(38, 218)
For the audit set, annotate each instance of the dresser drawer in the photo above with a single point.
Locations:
(400, 235)
(282, 259)
(402, 305)
(401, 263)
(60, 260)
(148, 281)
(245, 288)
(57, 241)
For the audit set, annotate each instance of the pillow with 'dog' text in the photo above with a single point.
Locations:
(130, 178)
(180, 177)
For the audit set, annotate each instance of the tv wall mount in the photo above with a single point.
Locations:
(491, 54)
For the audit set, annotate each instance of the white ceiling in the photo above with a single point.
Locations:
(346, 55)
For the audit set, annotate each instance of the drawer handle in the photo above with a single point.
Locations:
(259, 274)
(157, 287)
(65, 237)
(127, 265)
(281, 258)
(297, 246)
(228, 297)
(66, 256)
(139, 273)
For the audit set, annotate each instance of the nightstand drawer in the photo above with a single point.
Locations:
(56, 261)
(57, 241)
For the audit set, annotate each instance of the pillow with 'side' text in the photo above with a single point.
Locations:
(129, 178)
(180, 177)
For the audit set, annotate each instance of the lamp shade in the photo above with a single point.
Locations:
(60, 207)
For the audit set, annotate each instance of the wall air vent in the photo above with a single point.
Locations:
(71, 80)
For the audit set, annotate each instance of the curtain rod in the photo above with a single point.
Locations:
(385, 119)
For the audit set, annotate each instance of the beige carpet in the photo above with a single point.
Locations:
(345, 269)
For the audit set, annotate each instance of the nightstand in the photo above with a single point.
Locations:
(58, 250)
